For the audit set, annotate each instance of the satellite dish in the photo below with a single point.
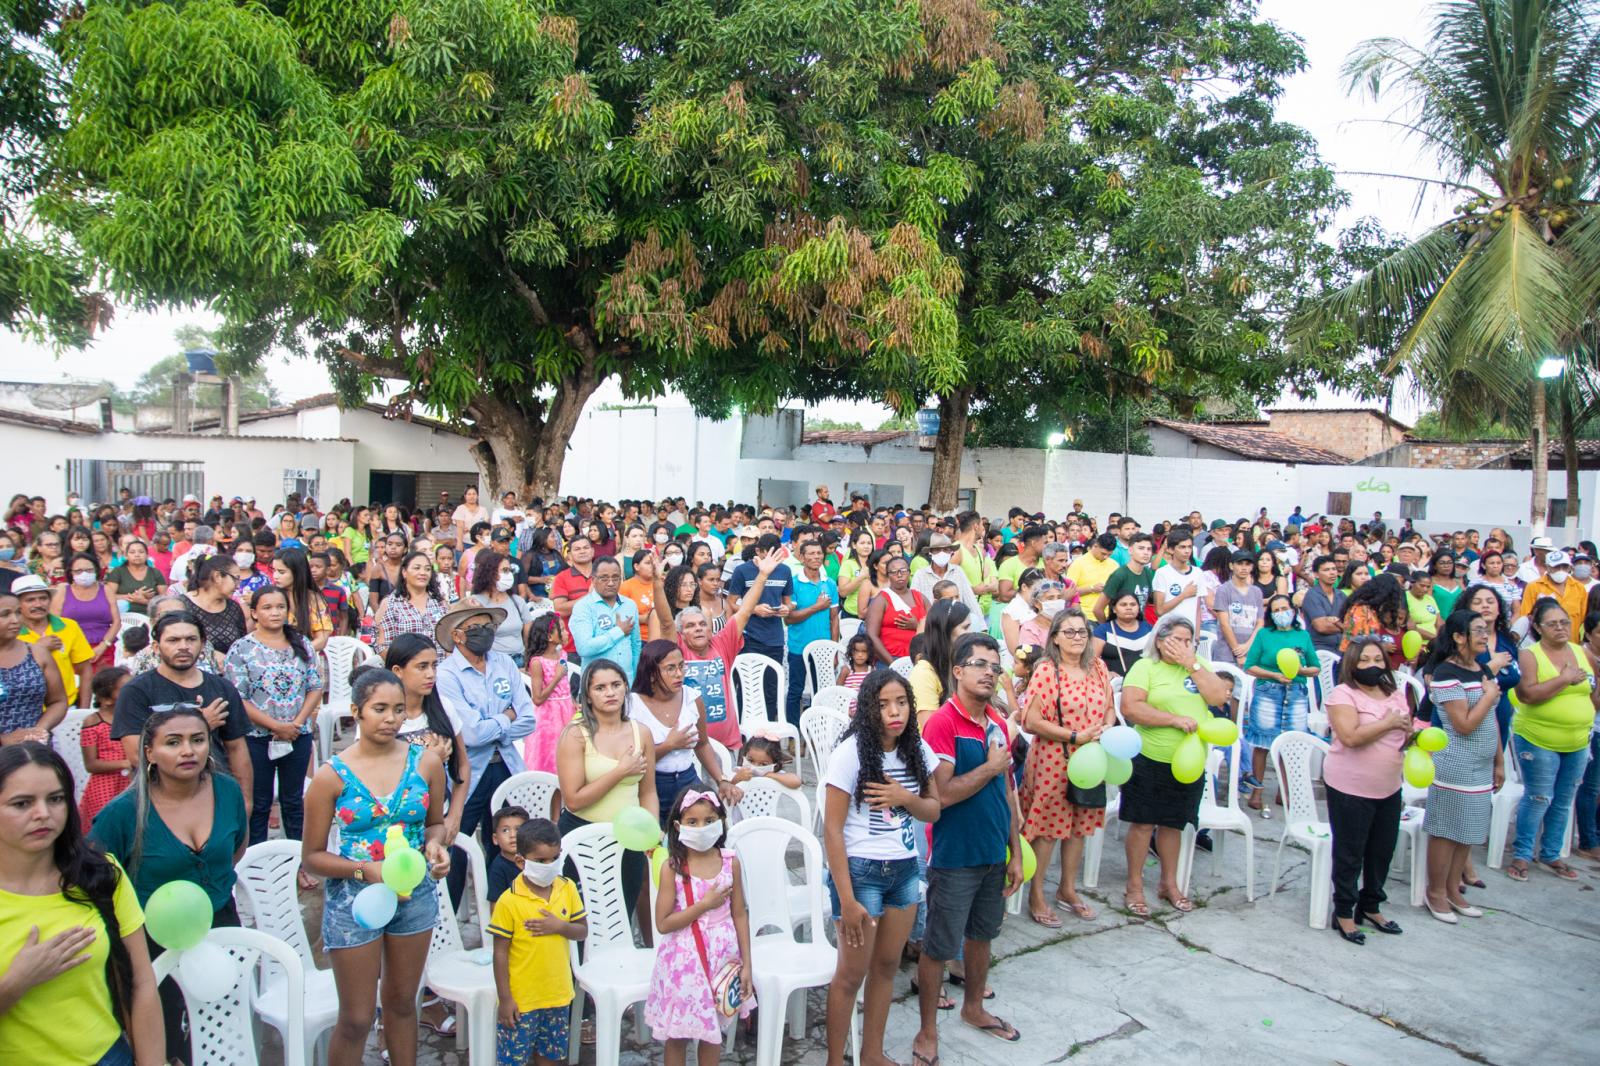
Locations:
(67, 396)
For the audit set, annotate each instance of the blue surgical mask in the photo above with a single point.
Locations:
(1283, 619)
(7, 553)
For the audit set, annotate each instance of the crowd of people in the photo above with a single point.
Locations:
(596, 642)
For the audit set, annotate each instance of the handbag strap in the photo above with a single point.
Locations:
(694, 927)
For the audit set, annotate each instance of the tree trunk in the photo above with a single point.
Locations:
(1569, 456)
(522, 445)
(946, 479)
(1539, 442)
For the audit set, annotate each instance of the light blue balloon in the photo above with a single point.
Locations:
(374, 906)
(1122, 741)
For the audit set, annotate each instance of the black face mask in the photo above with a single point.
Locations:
(479, 639)
(1368, 675)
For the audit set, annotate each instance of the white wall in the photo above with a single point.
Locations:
(639, 452)
(232, 465)
(377, 443)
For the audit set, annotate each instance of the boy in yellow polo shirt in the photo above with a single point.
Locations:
(531, 924)
(68, 646)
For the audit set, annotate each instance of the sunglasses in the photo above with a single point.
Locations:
(982, 664)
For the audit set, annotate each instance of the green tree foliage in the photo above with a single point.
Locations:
(503, 202)
(42, 279)
(1503, 97)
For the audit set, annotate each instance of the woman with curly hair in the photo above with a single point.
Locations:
(1378, 610)
(879, 786)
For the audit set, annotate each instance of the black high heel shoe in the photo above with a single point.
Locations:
(1355, 936)
(1386, 926)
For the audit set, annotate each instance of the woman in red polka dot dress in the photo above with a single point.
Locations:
(1068, 704)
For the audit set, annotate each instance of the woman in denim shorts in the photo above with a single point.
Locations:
(879, 785)
(378, 782)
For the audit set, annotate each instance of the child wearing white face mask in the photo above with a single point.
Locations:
(702, 969)
(531, 923)
(763, 757)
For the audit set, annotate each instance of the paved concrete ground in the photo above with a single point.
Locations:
(1240, 983)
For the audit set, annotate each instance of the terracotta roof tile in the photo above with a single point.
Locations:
(60, 425)
(1254, 443)
(863, 437)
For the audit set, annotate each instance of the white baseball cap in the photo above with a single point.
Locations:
(1554, 559)
(191, 498)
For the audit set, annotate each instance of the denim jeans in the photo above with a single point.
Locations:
(288, 775)
(1589, 798)
(1549, 780)
(797, 688)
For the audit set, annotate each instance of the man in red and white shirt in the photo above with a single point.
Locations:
(572, 584)
(822, 508)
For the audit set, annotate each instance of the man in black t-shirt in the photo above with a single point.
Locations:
(176, 682)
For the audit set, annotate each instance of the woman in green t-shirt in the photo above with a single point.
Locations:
(67, 985)
(1166, 695)
(1280, 702)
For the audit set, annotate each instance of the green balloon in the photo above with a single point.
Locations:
(1189, 760)
(658, 859)
(1289, 663)
(178, 915)
(1087, 766)
(1030, 861)
(1219, 731)
(1118, 770)
(1411, 644)
(403, 870)
(1433, 739)
(1418, 768)
(635, 829)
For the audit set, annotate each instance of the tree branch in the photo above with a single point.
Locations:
(524, 290)
(372, 364)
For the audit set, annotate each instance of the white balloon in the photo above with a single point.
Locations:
(208, 972)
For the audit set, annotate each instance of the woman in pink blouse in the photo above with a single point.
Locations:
(1371, 723)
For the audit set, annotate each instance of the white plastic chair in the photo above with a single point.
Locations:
(341, 655)
(130, 620)
(1412, 835)
(763, 798)
(613, 972)
(1095, 845)
(754, 715)
(1503, 810)
(1411, 795)
(1226, 816)
(1292, 755)
(822, 659)
(66, 739)
(268, 880)
(848, 627)
(532, 790)
(724, 756)
(457, 975)
(478, 868)
(223, 1032)
(781, 964)
(902, 666)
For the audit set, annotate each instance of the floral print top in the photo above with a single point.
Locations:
(364, 819)
(276, 680)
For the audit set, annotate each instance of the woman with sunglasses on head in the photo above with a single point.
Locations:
(77, 986)
(1068, 704)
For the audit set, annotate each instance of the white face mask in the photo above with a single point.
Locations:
(1559, 576)
(700, 837)
(662, 537)
(83, 581)
(672, 559)
(1583, 572)
(244, 559)
(542, 874)
(1283, 619)
(759, 769)
(1051, 608)
(505, 581)
(940, 558)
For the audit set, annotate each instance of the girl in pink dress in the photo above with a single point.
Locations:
(701, 914)
(552, 693)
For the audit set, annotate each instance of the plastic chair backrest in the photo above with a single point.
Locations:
(822, 724)
(1329, 674)
(1414, 683)
(341, 653)
(1292, 755)
(762, 845)
(848, 627)
(902, 666)
(764, 798)
(724, 756)
(1240, 679)
(1202, 645)
(267, 875)
(129, 621)
(66, 740)
(532, 790)
(597, 854)
(222, 1026)
(447, 931)
(480, 881)
(822, 659)
(750, 671)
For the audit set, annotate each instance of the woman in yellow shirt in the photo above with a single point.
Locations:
(55, 1005)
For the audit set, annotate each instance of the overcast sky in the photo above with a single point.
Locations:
(1344, 126)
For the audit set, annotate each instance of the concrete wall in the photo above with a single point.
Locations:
(1169, 443)
(232, 465)
(380, 444)
(1356, 434)
(639, 452)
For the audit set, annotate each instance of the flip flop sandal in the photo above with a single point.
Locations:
(1138, 908)
(1561, 870)
(1516, 872)
(960, 982)
(919, 1059)
(998, 1029)
(1080, 908)
(1047, 919)
(945, 1002)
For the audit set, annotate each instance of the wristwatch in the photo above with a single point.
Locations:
(360, 874)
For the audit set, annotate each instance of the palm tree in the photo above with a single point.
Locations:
(1506, 97)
